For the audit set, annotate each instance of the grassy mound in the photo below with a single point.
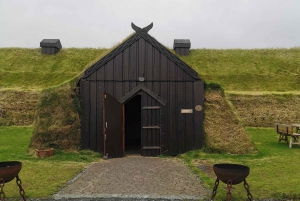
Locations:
(248, 70)
(224, 130)
(29, 69)
(57, 122)
(17, 107)
(265, 110)
(234, 69)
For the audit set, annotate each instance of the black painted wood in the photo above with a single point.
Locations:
(100, 144)
(93, 113)
(142, 66)
(85, 113)
(112, 126)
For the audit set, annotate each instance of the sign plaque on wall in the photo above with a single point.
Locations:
(186, 111)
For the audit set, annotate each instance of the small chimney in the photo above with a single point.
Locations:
(50, 46)
(182, 46)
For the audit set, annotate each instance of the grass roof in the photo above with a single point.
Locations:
(237, 70)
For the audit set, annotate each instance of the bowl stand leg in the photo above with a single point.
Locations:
(2, 194)
(21, 190)
(229, 185)
(214, 192)
(248, 191)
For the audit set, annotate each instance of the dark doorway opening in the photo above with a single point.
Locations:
(133, 126)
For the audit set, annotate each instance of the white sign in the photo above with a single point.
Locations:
(186, 111)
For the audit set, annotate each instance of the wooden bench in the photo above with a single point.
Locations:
(285, 131)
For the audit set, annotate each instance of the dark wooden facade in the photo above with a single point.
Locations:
(143, 94)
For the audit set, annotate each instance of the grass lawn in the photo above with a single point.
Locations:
(41, 177)
(273, 170)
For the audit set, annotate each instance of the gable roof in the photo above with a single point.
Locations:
(146, 90)
(141, 33)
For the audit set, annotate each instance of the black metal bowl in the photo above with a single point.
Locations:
(234, 172)
(9, 170)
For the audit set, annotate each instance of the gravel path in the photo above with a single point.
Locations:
(135, 178)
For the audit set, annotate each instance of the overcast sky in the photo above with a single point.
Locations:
(219, 24)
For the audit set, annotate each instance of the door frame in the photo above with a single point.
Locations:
(132, 94)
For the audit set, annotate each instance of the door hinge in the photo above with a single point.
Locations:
(104, 96)
(105, 124)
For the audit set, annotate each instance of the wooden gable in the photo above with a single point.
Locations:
(141, 56)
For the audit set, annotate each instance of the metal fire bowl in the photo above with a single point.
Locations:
(9, 170)
(234, 172)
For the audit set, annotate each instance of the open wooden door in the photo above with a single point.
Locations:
(112, 127)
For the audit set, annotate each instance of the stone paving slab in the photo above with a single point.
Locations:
(136, 177)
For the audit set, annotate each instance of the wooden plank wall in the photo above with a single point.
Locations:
(181, 132)
(150, 125)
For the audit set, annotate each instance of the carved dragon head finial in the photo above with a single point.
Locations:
(145, 29)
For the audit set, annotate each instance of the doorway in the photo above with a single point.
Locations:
(133, 125)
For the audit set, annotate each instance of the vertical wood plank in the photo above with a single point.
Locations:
(149, 62)
(198, 115)
(100, 142)
(181, 117)
(118, 69)
(100, 74)
(156, 65)
(163, 68)
(126, 60)
(133, 65)
(93, 114)
(162, 137)
(189, 118)
(118, 90)
(98, 115)
(164, 118)
(109, 70)
(85, 113)
(172, 71)
(109, 76)
(173, 119)
(110, 89)
(141, 57)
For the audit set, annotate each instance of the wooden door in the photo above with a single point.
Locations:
(112, 127)
(151, 131)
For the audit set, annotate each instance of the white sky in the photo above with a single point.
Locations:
(219, 24)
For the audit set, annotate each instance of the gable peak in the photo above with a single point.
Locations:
(138, 29)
